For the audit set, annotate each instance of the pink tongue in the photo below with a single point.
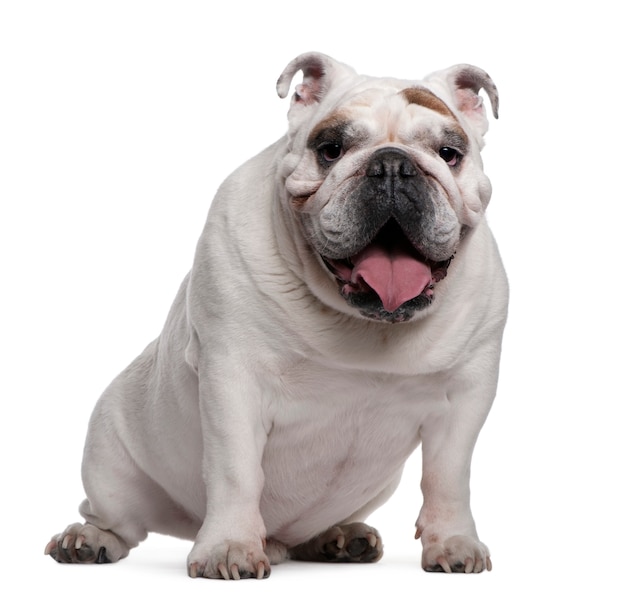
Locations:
(395, 275)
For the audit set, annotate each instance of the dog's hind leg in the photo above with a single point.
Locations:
(115, 493)
(86, 543)
(352, 540)
(112, 530)
(355, 542)
(123, 503)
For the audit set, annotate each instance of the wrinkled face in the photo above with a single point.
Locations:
(384, 185)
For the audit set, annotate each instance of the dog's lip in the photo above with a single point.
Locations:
(389, 266)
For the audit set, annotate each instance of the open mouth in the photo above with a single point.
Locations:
(388, 279)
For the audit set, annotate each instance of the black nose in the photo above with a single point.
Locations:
(390, 163)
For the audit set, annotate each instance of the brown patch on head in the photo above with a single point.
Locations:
(425, 98)
(333, 124)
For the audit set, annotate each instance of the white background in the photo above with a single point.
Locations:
(119, 119)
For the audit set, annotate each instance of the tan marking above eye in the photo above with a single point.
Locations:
(424, 97)
(336, 121)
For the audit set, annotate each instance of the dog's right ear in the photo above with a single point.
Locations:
(319, 72)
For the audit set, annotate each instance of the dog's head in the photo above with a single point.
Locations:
(385, 177)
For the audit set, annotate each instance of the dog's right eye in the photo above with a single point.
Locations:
(330, 152)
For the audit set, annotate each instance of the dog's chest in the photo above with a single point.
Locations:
(337, 439)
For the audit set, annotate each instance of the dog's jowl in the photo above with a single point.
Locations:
(346, 303)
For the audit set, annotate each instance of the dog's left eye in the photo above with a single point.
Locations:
(330, 152)
(451, 156)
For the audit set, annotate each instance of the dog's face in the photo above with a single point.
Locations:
(384, 177)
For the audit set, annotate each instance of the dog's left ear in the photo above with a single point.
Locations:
(462, 84)
(319, 72)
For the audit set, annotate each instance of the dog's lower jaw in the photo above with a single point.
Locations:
(371, 307)
(361, 296)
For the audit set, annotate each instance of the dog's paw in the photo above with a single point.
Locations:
(86, 544)
(356, 542)
(231, 560)
(459, 554)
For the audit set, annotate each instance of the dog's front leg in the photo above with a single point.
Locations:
(230, 543)
(445, 524)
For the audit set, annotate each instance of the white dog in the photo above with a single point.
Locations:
(346, 302)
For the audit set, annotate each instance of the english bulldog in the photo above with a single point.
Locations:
(346, 303)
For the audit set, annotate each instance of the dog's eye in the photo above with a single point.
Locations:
(330, 152)
(451, 156)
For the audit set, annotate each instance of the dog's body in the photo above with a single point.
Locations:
(294, 375)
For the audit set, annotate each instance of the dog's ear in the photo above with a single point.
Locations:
(319, 72)
(461, 84)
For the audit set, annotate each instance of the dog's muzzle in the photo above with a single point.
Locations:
(390, 278)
